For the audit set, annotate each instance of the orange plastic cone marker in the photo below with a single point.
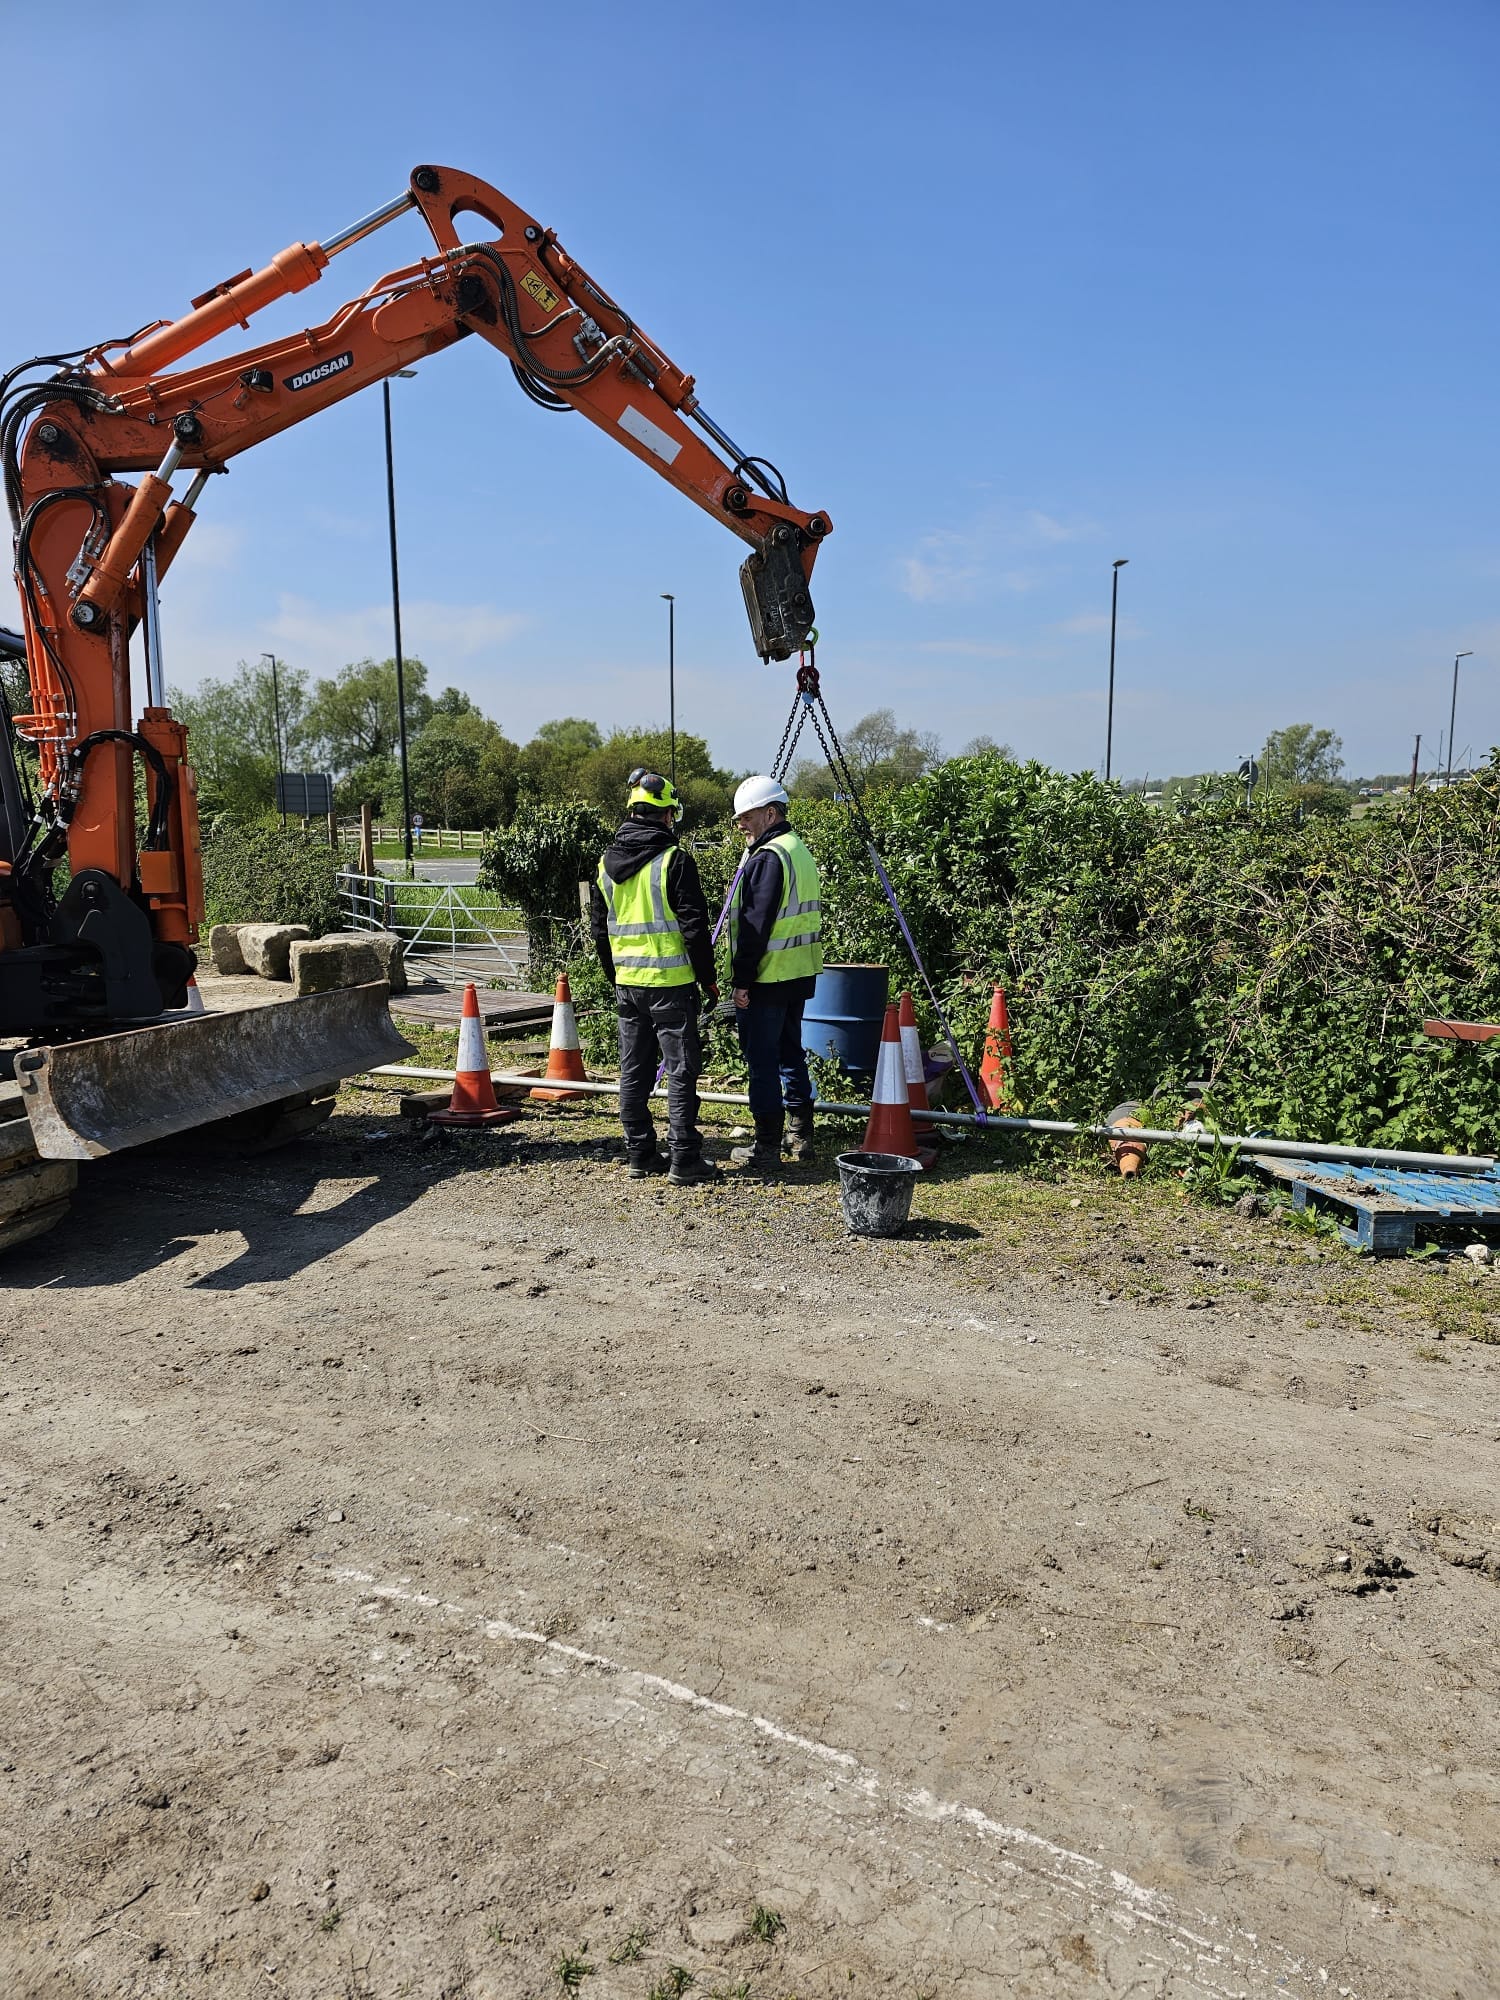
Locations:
(997, 1054)
(564, 1058)
(473, 1099)
(1128, 1153)
(916, 1076)
(195, 998)
(890, 1129)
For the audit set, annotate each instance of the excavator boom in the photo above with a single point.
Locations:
(115, 947)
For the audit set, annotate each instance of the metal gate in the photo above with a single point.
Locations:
(454, 931)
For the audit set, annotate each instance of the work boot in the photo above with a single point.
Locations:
(692, 1170)
(799, 1128)
(646, 1162)
(764, 1157)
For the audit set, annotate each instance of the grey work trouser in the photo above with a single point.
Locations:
(659, 1024)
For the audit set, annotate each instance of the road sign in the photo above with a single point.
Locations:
(1250, 773)
(309, 794)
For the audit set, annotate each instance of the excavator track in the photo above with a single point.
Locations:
(35, 1194)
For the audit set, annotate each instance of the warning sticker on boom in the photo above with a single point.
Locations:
(541, 291)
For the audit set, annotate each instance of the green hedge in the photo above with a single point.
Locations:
(1289, 963)
(256, 871)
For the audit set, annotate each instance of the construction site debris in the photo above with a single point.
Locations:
(388, 948)
(224, 950)
(267, 948)
(323, 965)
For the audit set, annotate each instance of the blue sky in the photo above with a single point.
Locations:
(1010, 291)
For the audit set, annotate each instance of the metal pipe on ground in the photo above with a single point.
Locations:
(1286, 1149)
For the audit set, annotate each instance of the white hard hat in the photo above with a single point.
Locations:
(760, 791)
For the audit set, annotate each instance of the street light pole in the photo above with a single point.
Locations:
(1109, 725)
(1453, 711)
(672, 677)
(390, 495)
(276, 712)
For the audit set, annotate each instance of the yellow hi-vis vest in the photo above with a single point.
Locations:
(643, 935)
(794, 949)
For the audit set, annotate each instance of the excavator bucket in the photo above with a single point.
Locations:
(88, 1098)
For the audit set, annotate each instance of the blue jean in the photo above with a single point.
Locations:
(771, 1041)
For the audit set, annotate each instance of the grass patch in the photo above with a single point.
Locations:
(631, 1947)
(766, 1924)
(571, 1970)
(673, 1983)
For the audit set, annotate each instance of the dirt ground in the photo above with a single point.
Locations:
(449, 1569)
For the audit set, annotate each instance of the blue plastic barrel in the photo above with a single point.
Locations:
(844, 1017)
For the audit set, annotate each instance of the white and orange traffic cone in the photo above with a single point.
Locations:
(993, 1071)
(890, 1129)
(916, 1077)
(564, 1057)
(194, 1000)
(1128, 1153)
(473, 1099)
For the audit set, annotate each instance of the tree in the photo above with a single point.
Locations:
(353, 717)
(548, 765)
(1301, 755)
(705, 791)
(986, 746)
(881, 756)
(463, 767)
(232, 734)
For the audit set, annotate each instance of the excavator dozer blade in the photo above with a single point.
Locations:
(88, 1098)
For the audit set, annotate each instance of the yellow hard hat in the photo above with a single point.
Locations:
(650, 788)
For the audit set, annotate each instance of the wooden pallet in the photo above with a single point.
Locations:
(436, 1007)
(1386, 1204)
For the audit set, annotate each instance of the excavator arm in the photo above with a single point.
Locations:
(91, 549)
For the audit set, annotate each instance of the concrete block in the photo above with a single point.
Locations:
(324, 964)
(391, 950)
(267, 948)
(224, 949)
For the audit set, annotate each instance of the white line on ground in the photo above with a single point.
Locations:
(1108, 1892)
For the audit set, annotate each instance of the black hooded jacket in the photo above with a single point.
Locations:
(635, 845)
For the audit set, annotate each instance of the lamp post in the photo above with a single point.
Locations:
(390, 495)
(671, 603)
(1109, 724)
(1453, 711)
(276, 712)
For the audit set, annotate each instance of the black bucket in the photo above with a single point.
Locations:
(875, 1190)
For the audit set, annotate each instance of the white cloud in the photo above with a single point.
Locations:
(970, 649)
(1089, 623)
(322, 641)
(996, 551)
(211, 546)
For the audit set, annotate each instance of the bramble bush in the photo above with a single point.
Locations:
(538, 862)
(1291, 964)
(257, 871)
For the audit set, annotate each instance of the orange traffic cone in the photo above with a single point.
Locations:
(473, 1100)
(997, 1053)
(1128, 1153)
(194, 1000)
(890, 1129)
(564, 1058)
(916, 1075)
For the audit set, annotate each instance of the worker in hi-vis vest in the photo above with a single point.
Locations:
(652, 931)
(775, 956)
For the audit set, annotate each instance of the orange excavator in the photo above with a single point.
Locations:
(99, 913)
